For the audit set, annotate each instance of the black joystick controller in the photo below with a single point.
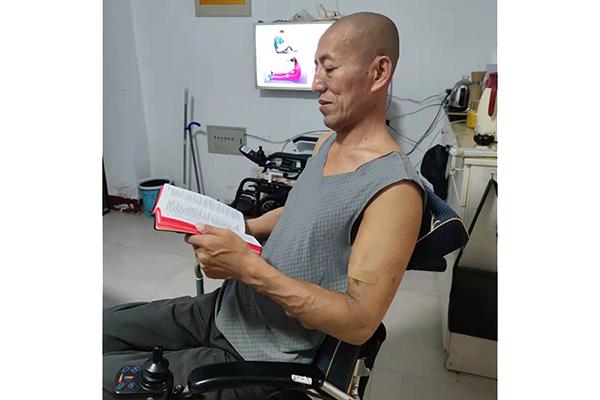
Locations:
(152, 380)
(259, 157)
(156, 376)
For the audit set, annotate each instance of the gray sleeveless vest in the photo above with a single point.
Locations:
(311, 242)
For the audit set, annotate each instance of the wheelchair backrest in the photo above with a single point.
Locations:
(442, 231)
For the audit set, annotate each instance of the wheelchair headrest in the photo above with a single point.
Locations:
(442, 231)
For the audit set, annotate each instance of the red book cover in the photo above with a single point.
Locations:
(175, 213)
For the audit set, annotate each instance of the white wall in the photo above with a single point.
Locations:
(126, 152)
(213, 57)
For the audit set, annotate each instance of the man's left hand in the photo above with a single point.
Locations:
(221, 253)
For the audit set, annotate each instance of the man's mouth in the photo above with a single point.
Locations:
(323, 104)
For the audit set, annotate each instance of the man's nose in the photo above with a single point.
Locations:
(318, 85)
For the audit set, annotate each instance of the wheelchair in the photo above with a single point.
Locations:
(340, 370)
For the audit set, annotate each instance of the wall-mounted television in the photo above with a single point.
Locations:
(285, 54)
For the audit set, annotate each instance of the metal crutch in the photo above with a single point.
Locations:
(191, 140)
(199, 171)
(199, 281)
(185, 113)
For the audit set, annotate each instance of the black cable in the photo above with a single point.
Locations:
(425, 134)
(428, 131)
(399, 135)
(422, 158)
(390, 95)
(414, 112)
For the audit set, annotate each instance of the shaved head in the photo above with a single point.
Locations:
(354, 66)
(369, 35)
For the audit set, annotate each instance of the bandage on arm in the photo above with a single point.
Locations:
(383, 245)
(362, 273)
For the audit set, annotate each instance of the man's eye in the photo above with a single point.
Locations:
(328, 70)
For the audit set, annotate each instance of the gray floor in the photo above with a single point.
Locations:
(143, 264)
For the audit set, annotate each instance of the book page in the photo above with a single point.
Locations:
(197, 209)
(251, 239)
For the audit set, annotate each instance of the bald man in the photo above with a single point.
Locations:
(334, 255)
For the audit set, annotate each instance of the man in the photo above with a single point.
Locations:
(335, 254)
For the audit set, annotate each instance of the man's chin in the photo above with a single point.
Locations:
(329, 122)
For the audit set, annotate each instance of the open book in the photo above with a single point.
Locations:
(180, 210)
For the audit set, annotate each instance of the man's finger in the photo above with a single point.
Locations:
(201, 260)
(206, 229)
(194, 240)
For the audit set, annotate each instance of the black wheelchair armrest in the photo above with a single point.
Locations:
(246, 373)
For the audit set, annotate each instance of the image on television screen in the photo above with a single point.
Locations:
(285, 54)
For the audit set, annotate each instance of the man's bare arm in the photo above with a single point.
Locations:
(383, 246)
(262, 226)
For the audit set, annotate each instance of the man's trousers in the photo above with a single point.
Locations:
(184, 327)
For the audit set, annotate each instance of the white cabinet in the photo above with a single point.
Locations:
(470, 170)
(474, 175)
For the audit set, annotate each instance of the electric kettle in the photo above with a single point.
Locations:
(485, 128)
(459, 97)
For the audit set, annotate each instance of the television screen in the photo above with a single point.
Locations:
(285, 54)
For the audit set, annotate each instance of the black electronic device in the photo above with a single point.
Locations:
(257, 157)
(151, 380)
(288, 164)
(256, 196)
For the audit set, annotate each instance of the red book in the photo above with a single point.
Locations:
(180, 210)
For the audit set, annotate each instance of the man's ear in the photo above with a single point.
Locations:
(383, 72)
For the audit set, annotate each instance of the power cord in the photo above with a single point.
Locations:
(425, 135)
(387, 122)
(430, 143)
(419, 101)
(390, 95)
(428, 131)
(436, 119)
(302, 134)
(433, 140)
(426, 100)
(415, 112)
(265, 139)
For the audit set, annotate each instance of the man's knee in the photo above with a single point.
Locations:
(113, 320)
